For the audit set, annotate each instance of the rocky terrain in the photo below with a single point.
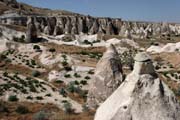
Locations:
(142, 96)
(56, 64)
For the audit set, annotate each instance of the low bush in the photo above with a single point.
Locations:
(83, 82)
(64, 63)
(52, 50)
(77, 75)
(13, 98)
(68, 108)
(87, 78)
(41, 115)
(36, 73)
(67, 76)
(63, 92)
(22, 110)
(29, 97)
(68, 68)
(39, 98)
(36, 47)
(3, 107)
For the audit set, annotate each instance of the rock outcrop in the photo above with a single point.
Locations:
(56, 23)
(108, 76)
(31, 34)
(91, 25)
(142, 96)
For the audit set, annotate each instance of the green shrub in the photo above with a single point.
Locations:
(33, 62)
(36, 47)
(39, 98)
(68, 68)
(68, 108)
(178, 92)
(67, 76)
(17, 39)
(29, 97)
(3, 107)
(59, 81)
(87, 42)
(32, 88)
(83, 82)
(13, 98)
(5, 74)
(22, 110)
(84, 53)
(48, 95)
(64, 57)
(41, 115)
(87, 78)
(76, 82)
(90, 72)
(63, 92)
(85, 108)
(71, 87)
(77, 75)
(3, 57)
(52, 50)
(36, 73)
(64, 63)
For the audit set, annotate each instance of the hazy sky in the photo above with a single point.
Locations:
(145, 10)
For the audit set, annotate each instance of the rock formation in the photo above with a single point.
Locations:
(55, 23)
(142, 96)
(90, 25)
(31, 34)
(108, 76)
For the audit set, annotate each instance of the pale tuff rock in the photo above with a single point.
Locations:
(94, 29)
(92, 25)
(108, 76)
(169, 47)
(31, 34)
(110, 30)
(142, 96)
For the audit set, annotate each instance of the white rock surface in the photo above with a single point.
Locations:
(170, 47)
(142, 96)
(108, 76)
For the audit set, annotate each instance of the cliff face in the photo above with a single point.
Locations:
(70, 24)
(90, 25)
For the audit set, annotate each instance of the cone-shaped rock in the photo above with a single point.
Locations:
(108, 76)
(142, 96)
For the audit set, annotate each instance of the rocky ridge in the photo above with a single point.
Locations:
(52, 22)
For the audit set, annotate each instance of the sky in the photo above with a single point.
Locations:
(136, 10)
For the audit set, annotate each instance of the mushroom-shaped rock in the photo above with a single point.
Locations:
(108, 76)
(142, 96)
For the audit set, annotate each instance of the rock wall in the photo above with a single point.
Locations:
(91, 25)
